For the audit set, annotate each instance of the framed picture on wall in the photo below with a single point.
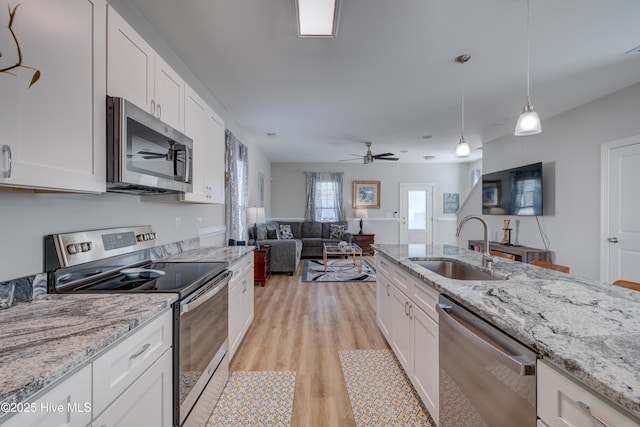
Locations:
(366, 194)
(490, 194)
(451, 202)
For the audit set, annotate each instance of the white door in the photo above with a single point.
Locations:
(621, 208)
(416, 213)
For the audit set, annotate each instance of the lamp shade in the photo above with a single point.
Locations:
(255, 215)
(528, 123)
(463, 149)
(361, 213)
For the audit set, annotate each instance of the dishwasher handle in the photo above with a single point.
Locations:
(521, 364)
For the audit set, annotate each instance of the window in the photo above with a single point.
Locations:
(324, 197)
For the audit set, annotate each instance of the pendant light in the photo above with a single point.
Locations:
(528, 122)
(462, 149)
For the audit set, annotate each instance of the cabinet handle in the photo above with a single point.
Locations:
(7, 149)
(586, 408)
(410, 307)
(406, 310)
(139, 352)
(153, 107)
(159, 111)
(388, 293)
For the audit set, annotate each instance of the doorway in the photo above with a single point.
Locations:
(620, 228)
(416, 213)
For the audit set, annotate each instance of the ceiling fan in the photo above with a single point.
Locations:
(369, 158)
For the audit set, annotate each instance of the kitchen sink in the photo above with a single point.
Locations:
(455, 270)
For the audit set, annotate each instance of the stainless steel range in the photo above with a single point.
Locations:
(119, 260)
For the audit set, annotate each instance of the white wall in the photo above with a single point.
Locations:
(25, 217)
(288, 191)
(569, 147)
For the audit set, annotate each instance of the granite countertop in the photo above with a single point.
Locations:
(229, 254)
(587, 328)
(43, 340)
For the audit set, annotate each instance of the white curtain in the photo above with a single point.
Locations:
(324, 196)
(237, 188)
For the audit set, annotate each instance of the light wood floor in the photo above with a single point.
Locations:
(300, 327)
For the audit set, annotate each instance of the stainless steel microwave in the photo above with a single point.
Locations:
(144, 155)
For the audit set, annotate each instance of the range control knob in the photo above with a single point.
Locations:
(140, 237)
(85, 246)
(73, 248)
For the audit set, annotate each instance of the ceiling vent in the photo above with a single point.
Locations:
(634, 51)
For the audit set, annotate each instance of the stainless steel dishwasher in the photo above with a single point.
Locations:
(486, 377)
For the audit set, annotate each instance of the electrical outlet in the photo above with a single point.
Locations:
(177, 223)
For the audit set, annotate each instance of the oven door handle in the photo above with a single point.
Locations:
(198, 299)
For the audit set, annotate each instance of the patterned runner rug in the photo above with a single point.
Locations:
(338, 270)
(379, 390)
(255, 399)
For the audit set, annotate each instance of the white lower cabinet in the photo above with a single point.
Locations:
(65, 405)
(147, 402)
(426, 372)
(564, 402)
(412, 323)
(383, 305)
(240, 301)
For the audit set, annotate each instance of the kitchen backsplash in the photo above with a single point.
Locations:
(27, 288)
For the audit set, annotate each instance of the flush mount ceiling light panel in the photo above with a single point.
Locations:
(317, 18)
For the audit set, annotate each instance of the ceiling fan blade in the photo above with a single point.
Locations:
(357, 155)
(349, 160)
(383, 155)
(154, 157)
(387, 158)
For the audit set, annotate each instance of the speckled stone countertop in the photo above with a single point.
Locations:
(43, 340)
(589, 329)
(228, 254)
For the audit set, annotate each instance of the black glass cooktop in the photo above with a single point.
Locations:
(177, 277)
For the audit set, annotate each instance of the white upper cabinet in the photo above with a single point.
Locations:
(206, 129)
(215, 160)
(135, 72)
(53, 129)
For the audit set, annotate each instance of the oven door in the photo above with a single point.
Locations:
(143, 151)
(201, 347)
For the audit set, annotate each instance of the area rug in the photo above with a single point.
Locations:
(380, 392)
(255, 399)
(338, 270)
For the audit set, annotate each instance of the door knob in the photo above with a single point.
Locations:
(612, 240)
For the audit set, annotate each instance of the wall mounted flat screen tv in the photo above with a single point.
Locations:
(516, 191)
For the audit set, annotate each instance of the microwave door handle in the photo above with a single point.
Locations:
(187, 164)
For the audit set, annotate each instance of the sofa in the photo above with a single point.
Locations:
(306, 240)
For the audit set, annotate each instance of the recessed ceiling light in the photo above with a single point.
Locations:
(404, 151)
(271, 134)
(428, 157)
(634, 51)
(427, 136)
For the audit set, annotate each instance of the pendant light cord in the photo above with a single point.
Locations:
(528, 54)
(462, 74)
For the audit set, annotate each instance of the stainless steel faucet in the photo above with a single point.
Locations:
(486, 257)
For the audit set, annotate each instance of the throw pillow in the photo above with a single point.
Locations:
(285, 231)
(271, 234)
(336, 231)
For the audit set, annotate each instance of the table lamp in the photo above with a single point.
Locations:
(255, 215)
(361, 213)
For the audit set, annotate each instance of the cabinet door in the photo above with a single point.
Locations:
(168, 95)
(130, 63)
(425, 359)
(236, 315)
(53, 132)
(65, 405)
(383, 305)
(195, 122)
(215, 163)
(148, 402)
(248, 302)
(401, 330)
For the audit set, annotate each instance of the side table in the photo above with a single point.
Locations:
(364, 240)
(262, 264)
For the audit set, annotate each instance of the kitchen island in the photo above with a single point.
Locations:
(588, 329)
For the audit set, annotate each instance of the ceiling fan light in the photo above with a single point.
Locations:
(462, 149)
(528, 122)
